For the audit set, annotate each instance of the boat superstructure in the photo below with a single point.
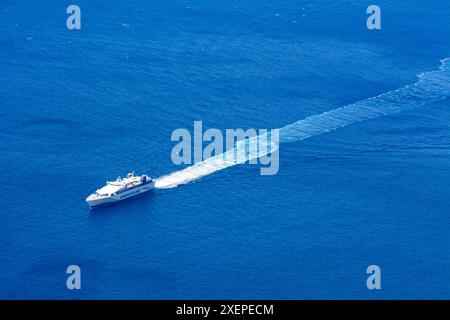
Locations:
(120, 189)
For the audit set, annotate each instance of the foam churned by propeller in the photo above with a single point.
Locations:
(431, 87)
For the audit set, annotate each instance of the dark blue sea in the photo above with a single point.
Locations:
(354, 188)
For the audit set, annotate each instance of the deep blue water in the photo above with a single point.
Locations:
(79, 107)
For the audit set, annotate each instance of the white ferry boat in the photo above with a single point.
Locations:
(120, 189)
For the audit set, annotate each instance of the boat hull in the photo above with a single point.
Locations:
(120, 196)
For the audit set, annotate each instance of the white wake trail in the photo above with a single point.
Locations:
(243, 151)
(430, 87)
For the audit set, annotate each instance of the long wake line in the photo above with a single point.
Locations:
(430, 87)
